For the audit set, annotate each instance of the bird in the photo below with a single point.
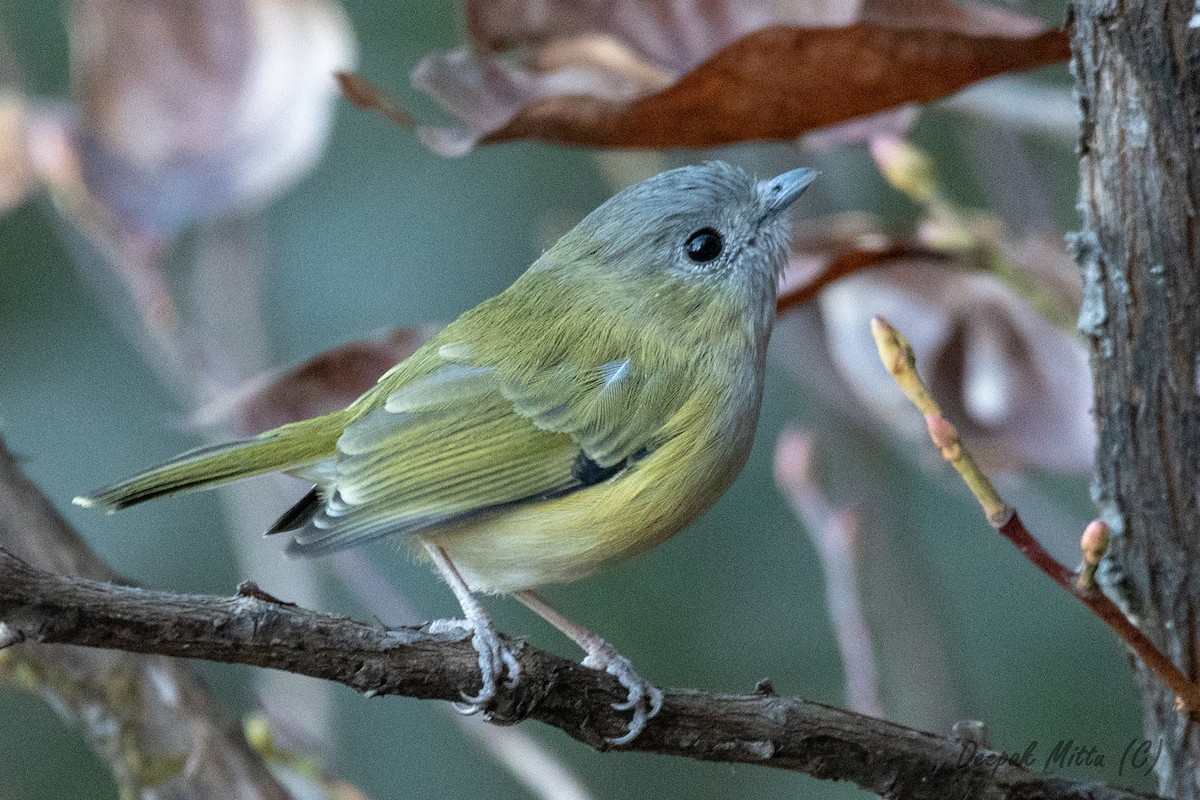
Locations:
(587, 413)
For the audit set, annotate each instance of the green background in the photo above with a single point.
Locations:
(385, 233)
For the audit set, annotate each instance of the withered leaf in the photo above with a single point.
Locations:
(780, 82)
(777, 82)
(678, 35)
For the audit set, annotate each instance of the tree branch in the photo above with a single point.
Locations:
(256, 629)
(151, 722)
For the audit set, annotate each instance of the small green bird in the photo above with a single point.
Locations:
(593, 409)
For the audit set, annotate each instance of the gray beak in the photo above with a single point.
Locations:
(781, 191)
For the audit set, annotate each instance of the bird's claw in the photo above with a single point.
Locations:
(496, 660)
(644, 699)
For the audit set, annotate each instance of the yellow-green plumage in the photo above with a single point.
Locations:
(516, 431)
(593, 409)
(282, 449)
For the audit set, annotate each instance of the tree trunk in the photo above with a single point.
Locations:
(1137, 68)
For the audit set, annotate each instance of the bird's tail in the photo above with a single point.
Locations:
(291, 447)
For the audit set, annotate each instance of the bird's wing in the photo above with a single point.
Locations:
(464, 441)
(613, 411)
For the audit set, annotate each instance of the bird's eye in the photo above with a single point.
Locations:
(703, 245)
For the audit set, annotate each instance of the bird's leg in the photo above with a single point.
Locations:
(495, 659)
(644, 699)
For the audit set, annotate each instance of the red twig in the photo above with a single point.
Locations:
(1185, 690)
(366, 95)
(897, 356)
(847, 263)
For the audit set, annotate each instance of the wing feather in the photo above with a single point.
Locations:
(464, 440)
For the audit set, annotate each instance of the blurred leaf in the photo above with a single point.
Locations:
(680, 34)
(669, 74)
(191, 110)
(185, 112)
(1016, 385)
(327, 382)
(1014, 380)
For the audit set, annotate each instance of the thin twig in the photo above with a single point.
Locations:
(760, 728)
(366, 95)
(846, 263)
(897, 356)
(834, 533)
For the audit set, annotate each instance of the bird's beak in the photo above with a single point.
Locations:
(781, 191)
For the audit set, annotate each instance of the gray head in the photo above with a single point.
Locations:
(712, 221)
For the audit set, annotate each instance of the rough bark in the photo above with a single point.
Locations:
(1137, 67)
(762, 728)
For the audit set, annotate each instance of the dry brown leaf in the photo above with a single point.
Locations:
(327, 382)
(679, 34)
(843, 73)
(676, 74)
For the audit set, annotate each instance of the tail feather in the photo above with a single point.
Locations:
(298, 515)
(289, 447)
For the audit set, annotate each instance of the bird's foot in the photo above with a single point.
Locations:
(643, 700)
(497, 663)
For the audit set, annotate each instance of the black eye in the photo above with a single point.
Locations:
(703, 245)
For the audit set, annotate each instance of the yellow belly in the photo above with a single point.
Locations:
(562, 540)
